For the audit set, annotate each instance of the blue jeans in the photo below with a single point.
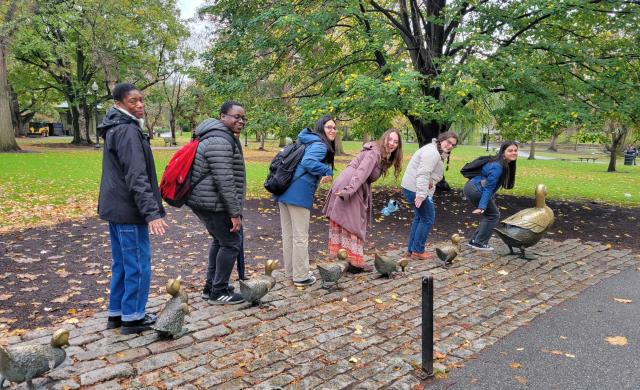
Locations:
(130, 270)
(423, 219)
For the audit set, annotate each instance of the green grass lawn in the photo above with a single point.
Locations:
(51, 184)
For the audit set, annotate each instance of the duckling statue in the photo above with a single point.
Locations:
(331, 272)
(170, 320)
(526, 227)
(22, 363)
(253, 290)
(403, 263)
(386, 266)
(446, 253)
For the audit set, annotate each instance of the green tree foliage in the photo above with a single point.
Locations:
(373, 59)
(75, 43)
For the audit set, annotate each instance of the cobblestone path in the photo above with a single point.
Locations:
(366, 335)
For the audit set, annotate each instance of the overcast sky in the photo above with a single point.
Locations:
(188, 7)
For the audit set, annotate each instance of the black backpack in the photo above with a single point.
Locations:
(474, 168)
(283, 167)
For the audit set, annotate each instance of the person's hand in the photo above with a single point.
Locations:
(157, 226)
(326, 179)
(478, 211)
(236, 223)
(418, 201)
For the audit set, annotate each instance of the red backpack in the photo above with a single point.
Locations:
(175, 185)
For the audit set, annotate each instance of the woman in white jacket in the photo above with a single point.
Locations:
(424, 171)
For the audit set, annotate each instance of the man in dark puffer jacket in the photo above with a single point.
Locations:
(218, 196)
(130, 200)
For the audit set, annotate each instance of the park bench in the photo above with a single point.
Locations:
(586, 159)
(168, 139)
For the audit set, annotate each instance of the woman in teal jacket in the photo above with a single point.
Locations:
(295, 204)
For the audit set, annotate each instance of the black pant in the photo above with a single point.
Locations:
(223, 251)
(490, 218)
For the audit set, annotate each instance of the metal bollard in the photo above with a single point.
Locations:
(427, 325)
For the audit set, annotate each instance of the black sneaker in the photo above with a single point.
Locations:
(206, 292)
(226, 297)
(480, 247)
(307, 282)
(137, 326)
(114, 322)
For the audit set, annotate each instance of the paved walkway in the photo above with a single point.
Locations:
(364, 336)
(568, 348)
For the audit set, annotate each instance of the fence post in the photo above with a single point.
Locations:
(427, 325)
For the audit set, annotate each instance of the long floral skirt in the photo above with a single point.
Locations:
(340, 237)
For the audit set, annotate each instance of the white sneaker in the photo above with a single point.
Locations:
(307, 282)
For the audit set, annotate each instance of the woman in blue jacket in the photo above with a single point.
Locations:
(295, 204)
(500, 171)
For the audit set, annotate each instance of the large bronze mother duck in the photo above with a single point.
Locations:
(526, 227)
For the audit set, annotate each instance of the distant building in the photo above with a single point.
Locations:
(64, 114)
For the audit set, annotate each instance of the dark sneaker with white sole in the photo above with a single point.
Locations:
(206, 292)
(137, 326)
(480, 247)
(226, 297)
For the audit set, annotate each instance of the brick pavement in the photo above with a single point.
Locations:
(365, 336)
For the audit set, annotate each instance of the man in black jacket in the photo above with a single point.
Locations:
(130, 201)
(218, 197)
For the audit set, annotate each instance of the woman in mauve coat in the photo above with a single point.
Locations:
(349, 202)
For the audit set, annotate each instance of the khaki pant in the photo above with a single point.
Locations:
(294, 222)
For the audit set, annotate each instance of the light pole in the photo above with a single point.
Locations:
(94, 88)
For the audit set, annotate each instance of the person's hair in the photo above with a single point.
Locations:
(120, 91)
(226, 106)
(442, 137)
(331, 145)
(508, 168)
(390, 159)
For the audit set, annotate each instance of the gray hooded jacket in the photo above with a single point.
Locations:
(218, 169)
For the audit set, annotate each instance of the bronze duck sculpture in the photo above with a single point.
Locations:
(447, 252)
(253, 290)
(170, 320)
(386, 266)
(526, 227)
(331, 272)
(22, 363)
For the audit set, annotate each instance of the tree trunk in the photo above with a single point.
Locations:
(75, 122)
(618, 134)
(553, 146)
(7, 135)
(366, 138)
(532, 150)
(87, 122)
(427, 130)
(263, 136)
(283, 140)
(612, 162)
(339, 148)
(172, 125)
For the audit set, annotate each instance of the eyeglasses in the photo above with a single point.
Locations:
(239, 117)
(453, 146)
